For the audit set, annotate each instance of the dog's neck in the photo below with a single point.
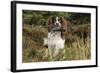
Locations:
(55, 34)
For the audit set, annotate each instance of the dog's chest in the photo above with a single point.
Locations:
(55, 40)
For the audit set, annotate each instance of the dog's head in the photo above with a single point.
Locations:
(56, 23)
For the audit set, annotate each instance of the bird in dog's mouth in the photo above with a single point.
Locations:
(58, 29)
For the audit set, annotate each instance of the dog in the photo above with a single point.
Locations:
(55, 41)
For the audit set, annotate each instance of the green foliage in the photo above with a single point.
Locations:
(80, 18)
(26, 18)
(40, 17)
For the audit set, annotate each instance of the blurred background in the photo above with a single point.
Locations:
(77, 44)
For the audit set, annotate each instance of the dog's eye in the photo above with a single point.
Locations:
(59, 20)
(53, 21)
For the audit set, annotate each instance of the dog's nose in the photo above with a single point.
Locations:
(57, 24)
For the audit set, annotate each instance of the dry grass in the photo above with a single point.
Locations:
(34, 51)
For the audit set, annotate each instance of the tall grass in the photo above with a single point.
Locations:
(34, 51)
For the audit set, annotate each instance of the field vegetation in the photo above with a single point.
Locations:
(77, 44)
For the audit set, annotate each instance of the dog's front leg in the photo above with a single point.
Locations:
(50, 54)
(56, 52)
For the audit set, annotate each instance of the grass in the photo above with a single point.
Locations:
(34, 51)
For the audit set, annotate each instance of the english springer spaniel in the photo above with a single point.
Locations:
(56, 35)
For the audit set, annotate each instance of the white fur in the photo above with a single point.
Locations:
(57, 22)
(45, 41)
(55, 43)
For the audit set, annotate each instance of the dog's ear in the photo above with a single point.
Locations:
(49, 23)
(64, 23)
(64, 27)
